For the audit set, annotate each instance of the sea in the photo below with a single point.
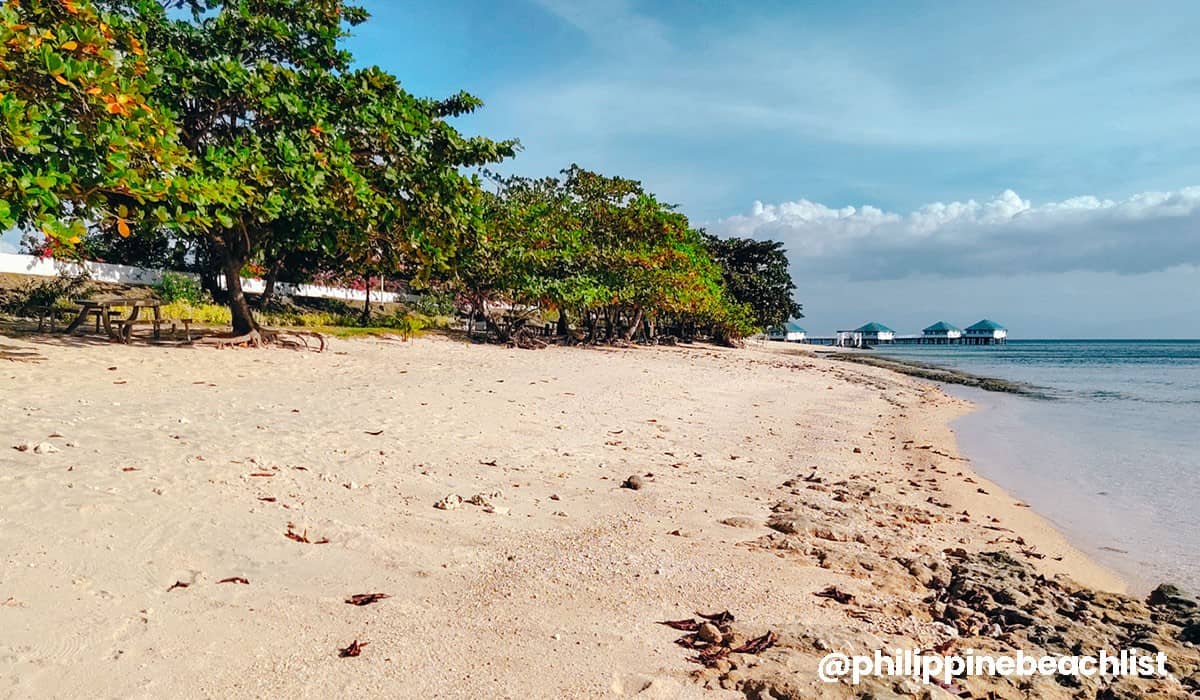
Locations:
(1108, 449)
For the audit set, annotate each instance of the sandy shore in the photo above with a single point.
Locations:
(191, 465)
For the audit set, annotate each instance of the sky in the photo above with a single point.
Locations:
(1033, 163)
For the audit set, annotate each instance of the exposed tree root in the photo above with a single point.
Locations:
(295, 340)
(526, 339)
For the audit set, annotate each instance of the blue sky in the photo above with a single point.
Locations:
(1029, 162)
(1035, 163)
(719, 104)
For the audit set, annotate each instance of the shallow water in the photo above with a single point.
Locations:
(1113, 459)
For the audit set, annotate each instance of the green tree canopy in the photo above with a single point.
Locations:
(756, 274)
(81, 141)
(293, 150)
(599, 250)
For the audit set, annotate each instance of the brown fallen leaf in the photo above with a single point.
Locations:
(262, 474)
(178, 584)
(488, 463)
(682, 625)
(719, 619)
(295, 536)
(691, 641)
(361, 599)
(373, 432)
(130, 469)
(757, 645)
(710, 655)
(354, 649)
(268, 499)
(834, 593)
(235, 579)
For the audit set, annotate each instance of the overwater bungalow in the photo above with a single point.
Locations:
(788, 332)
(941, 333)
(876, 333)
(985, 332)
(871, 333)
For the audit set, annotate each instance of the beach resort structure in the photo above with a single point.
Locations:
(941, 333)
(986, 333)
(872, 333)
(788, 332)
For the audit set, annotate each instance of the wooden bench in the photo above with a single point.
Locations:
(127, 327)
(187, 328)
(48, 316)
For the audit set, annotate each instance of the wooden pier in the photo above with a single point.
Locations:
(850, 342)
(872, 334)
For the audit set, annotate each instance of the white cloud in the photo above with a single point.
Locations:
(1147, 232)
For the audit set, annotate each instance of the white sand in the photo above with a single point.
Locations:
(556, 598)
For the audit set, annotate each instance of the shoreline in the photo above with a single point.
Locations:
(938, 373)
(771, 485)
(1032, 525)
(1133, 550)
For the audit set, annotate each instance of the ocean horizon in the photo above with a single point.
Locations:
(1108, 453)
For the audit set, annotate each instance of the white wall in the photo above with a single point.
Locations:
(124, 274)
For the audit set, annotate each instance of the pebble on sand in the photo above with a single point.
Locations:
(38, 448)
(450, 502)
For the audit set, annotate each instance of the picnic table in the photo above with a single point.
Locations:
(105, 311)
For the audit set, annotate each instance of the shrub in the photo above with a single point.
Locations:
(204, 314)
(409, 325)
(434, 304)
(174, 286)
(406, 324)
(51, 293)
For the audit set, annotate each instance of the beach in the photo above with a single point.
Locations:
(191, 521)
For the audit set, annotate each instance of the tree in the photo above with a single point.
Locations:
(756, 274)
(81, 142)
(295, 151)
(597, 249)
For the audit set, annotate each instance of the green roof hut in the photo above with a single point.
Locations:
(986, 332)
(941, 332)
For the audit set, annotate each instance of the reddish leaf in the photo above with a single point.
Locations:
(361, 599)
(354, 649)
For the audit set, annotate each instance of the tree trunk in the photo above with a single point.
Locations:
(634, 325)
(269, 285)
(243, 318)
(564, 327)
(366, 314)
